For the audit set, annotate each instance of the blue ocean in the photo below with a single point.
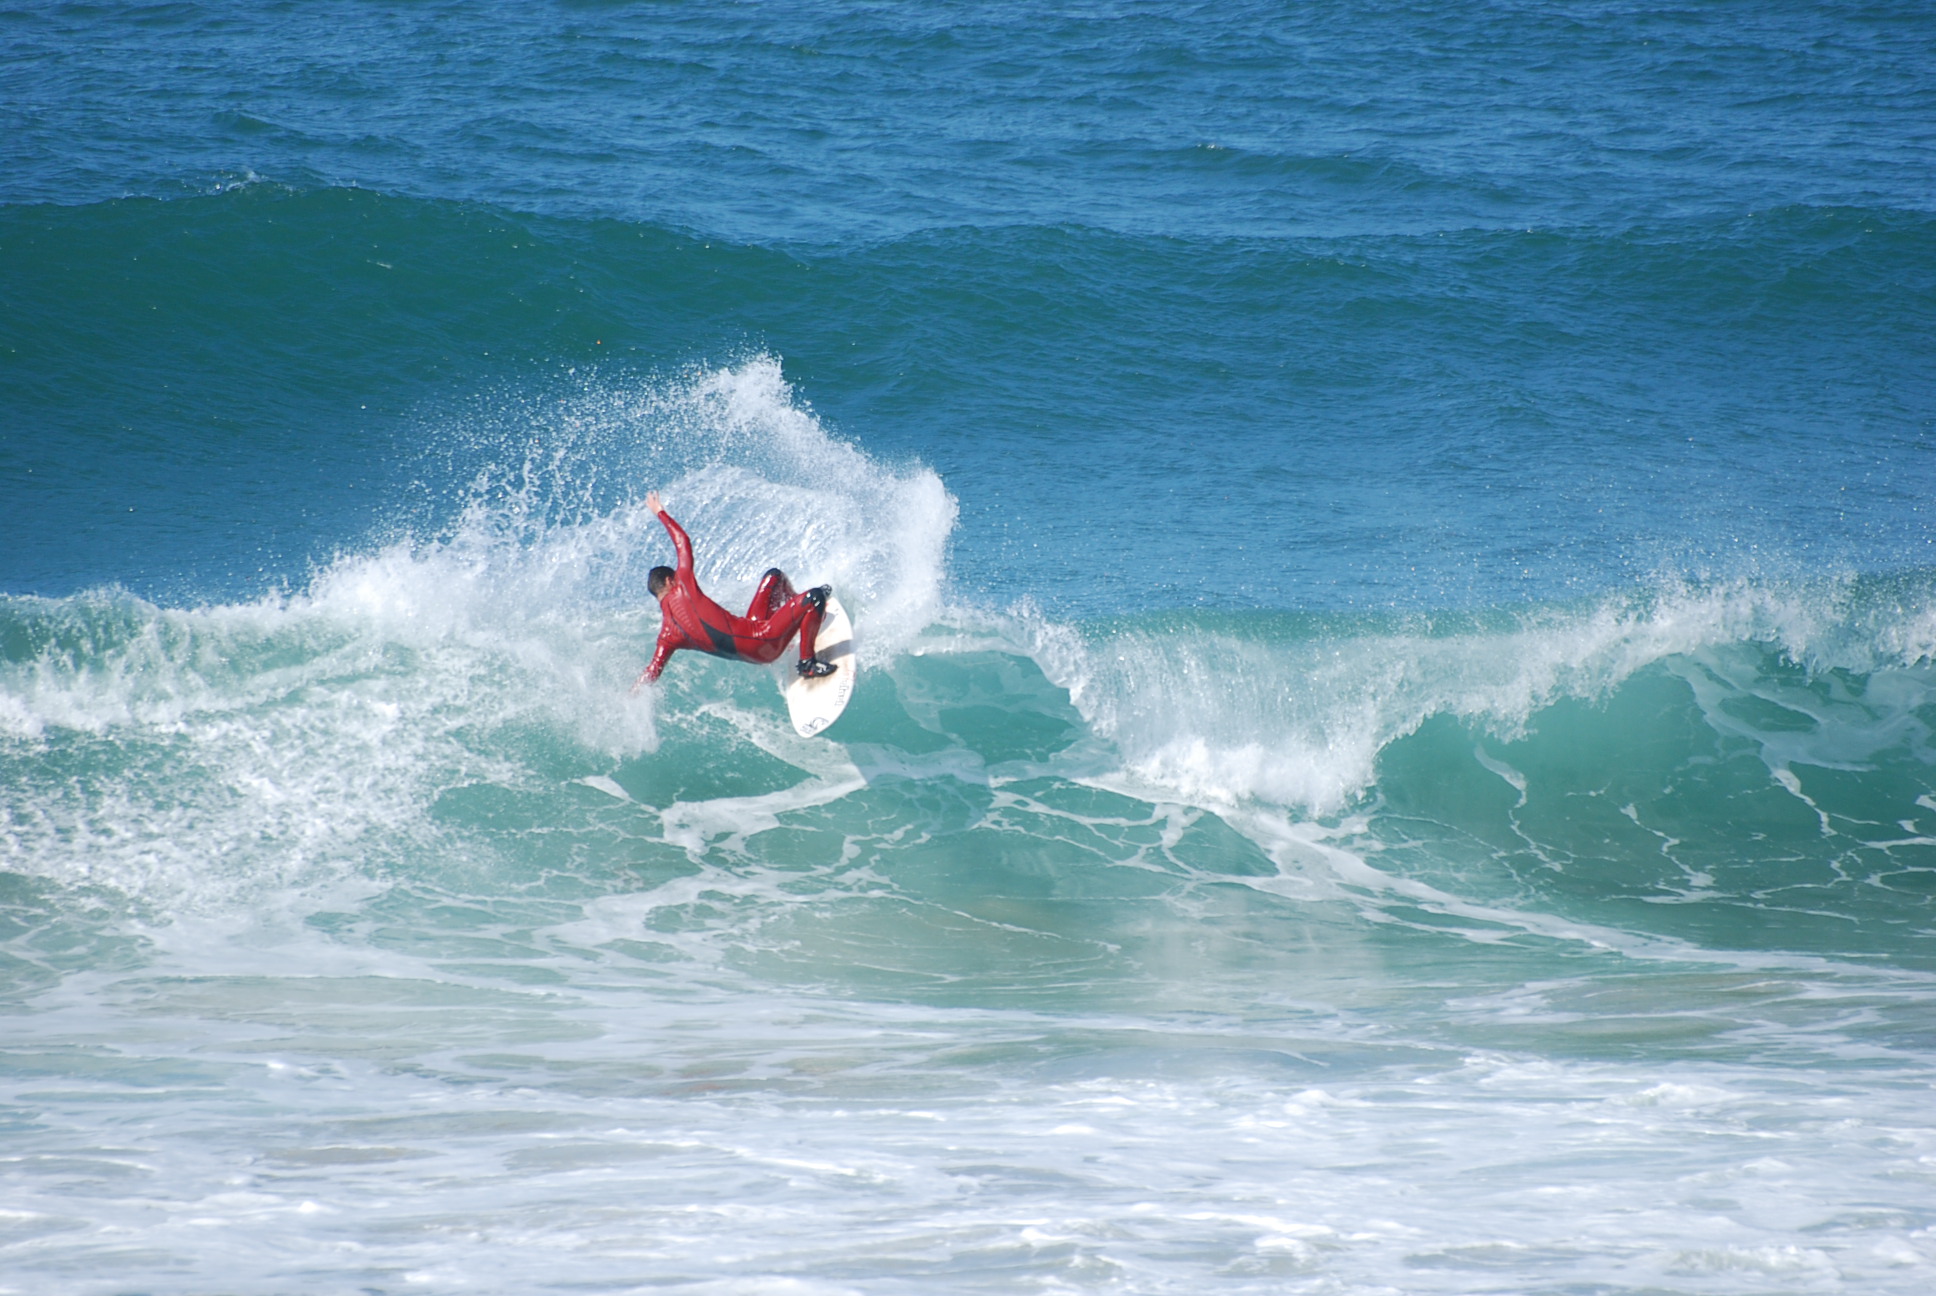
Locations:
(1393, 556)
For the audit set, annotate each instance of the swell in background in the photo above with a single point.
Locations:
(210, 396)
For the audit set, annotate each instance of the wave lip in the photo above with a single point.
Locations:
(1297, 711)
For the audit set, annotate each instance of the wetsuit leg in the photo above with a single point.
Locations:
(799, 612)
(810, 626)
(773, 592)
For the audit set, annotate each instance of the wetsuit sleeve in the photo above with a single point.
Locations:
(668, 639)
(681, 545)
(659, 655)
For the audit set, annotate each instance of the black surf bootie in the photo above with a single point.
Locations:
(814, 668)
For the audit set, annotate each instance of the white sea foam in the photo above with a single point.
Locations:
(1220, 716)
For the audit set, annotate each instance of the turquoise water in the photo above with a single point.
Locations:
(1392, 552)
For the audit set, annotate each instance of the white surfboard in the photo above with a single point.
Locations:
(816, 703)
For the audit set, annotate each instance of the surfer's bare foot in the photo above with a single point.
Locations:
(814, 668)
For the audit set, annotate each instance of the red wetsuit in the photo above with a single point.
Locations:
(691, 620)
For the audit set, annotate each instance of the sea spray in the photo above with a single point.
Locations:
(754, 475)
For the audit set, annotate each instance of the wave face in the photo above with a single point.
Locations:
(1392, 552)
(1727, 766)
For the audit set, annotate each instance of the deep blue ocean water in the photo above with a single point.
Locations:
(1393, 555)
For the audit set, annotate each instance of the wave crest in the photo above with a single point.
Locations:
(1296, 711)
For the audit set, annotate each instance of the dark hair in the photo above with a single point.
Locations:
(658, 578)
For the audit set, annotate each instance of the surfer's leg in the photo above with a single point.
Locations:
(813, 608)
(802, 613)
(774, 591)
(814, 603)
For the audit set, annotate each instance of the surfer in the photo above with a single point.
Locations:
(688, 619)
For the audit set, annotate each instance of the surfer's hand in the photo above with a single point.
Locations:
(652, 502)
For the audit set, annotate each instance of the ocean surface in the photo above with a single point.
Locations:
(1393, 548)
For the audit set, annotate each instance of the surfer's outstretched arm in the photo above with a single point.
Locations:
(650, 675)
(665, 584)
(681, 543)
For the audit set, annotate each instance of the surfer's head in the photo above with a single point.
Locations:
(657, 580)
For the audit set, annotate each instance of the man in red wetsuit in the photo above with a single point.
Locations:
(691, 620)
